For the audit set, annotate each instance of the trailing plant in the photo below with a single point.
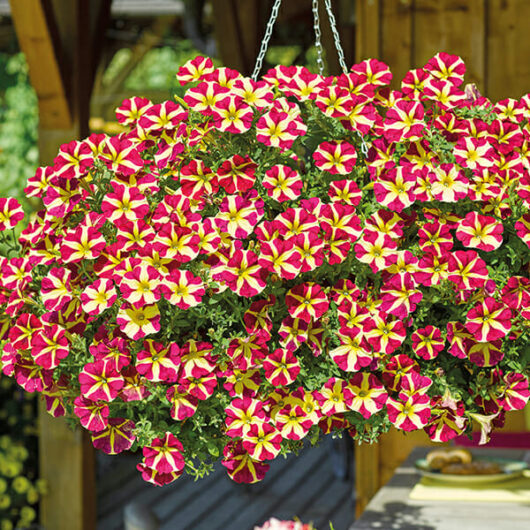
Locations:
(261, 262)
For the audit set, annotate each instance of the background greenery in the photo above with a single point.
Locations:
(18, 126)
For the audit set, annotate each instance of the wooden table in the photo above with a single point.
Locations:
(392, 509)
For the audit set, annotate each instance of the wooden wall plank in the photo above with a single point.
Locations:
(35, 39)
(508, 49)
(368, 33)
(453, 26)
(407, 33)
(396, 45)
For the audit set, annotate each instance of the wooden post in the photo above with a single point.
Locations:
(367, 477)
(375, 464)
(238, 32)
(66, 462)
(61, 40)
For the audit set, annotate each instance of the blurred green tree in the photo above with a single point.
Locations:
(18, 126)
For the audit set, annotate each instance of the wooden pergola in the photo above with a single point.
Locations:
(64, 44)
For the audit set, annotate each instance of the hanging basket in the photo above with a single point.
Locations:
(263, 262)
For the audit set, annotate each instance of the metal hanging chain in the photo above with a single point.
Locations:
(336, 37)
(342, 61)
(318, 35)
(266, 39)
(364, 145)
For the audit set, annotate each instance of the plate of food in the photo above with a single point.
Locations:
(459, 467)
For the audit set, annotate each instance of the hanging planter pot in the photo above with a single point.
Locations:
(265, 261)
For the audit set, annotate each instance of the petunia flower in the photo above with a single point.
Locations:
(93, 415)
(411, 414)
(367, 395)
(241, 414)
(243, 274)
(337, 158)
(377, 250)
(194, 70)
(293, 421)
(98, 296)
(466, 269)
(427, 342)
(489, 320)
(237, 174)
(164, 454)
(197, 179)
(331, 397)
(281, 367)
(448, 67)
(480, 231)
(100, 381)
(158, 362)
(11, 213)
(49, 346)
(282, 183)
(141, 287)
(124, 202)
(262, 441)
(241, 467)
(306, 301)
(116, 437)
(232, 115)
(182, 289)
(136, 323)
(131, 109)
(395, 188)
(474, 153)
(183, 404)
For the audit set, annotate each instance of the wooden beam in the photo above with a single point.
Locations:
(106, 97)
(34, 32)
(61, 40)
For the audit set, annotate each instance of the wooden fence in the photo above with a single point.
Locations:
(492, 36)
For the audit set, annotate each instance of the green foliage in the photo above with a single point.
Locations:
(18, 127)
(156, 70)
(19, 491)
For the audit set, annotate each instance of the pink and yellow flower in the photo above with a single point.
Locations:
(337, 158)
(411, 413)
(306, 301)
(136, 323)
(281, 367)
(489, 320)
(11, 213)
(368, 395)
(480, 231)
(100, 381)
(282, 183)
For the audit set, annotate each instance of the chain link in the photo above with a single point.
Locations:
(266, 39)
(364, 146)
(336, 36)
(318, 35)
